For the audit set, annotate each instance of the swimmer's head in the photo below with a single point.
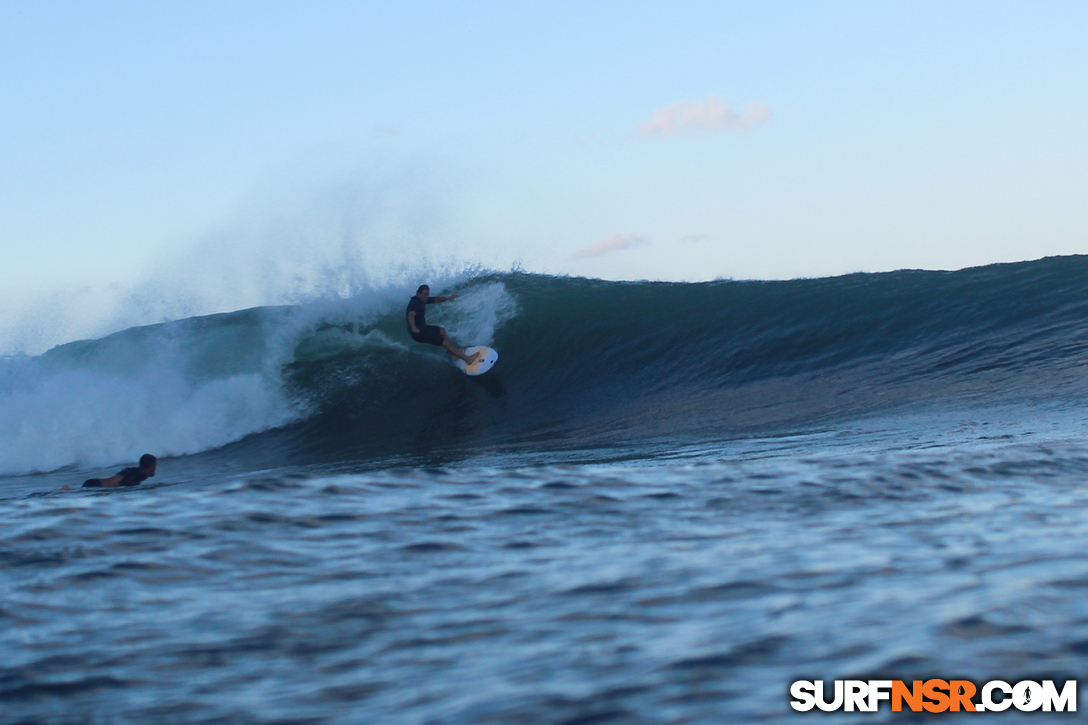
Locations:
(148, 463)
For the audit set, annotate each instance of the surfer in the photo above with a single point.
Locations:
(127, 477)
(431, 334)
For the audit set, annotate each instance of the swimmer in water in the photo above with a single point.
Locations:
(127, 477)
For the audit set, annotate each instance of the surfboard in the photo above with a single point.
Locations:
(482, 364)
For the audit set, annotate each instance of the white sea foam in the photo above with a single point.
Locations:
(163, 391)
(199, 384)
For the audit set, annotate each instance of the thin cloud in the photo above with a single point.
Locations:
(386, 131)
(697, 237)
(710, 115)
(613, 243)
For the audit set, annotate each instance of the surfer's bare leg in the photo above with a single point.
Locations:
(454, 351)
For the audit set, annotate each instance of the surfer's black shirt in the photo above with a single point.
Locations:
(132, 477)
(417, 306)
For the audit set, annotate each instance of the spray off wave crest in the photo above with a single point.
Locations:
(584, 363)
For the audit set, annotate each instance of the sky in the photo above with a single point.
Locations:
(157, 142)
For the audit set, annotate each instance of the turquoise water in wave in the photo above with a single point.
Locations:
(872, 477)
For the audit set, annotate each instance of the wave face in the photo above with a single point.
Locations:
(583, 363)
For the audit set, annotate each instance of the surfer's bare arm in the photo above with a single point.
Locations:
(111, 481)
(412, 322)
(446, 298)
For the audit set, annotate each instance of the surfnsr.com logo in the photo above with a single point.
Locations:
(935, 696)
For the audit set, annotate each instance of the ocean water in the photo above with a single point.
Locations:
(666, 503)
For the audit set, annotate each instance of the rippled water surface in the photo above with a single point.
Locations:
(688, 587)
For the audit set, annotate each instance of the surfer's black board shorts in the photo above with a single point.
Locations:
(430, 334)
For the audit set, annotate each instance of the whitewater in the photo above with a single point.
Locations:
(666, 503)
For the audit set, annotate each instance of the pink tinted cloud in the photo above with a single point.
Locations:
(712, 114)
(613, 243)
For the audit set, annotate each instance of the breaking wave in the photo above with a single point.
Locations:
(582, 362)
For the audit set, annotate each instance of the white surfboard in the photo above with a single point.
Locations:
(483, 363)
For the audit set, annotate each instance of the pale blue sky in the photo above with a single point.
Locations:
(901, 134)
